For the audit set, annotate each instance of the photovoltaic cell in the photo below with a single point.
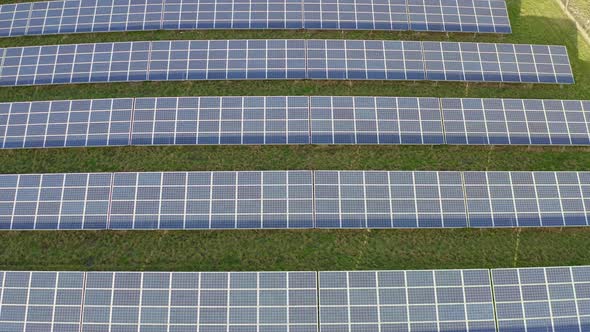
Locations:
(212, 200)
(527, 199)
(378, 199)
(547, 299)
(41, 301)
(375, 120)
(516, 121)
(207, 301)
(68, 123)
(439, 300)
(79, 16)
(221, 120)
(54, 201)
(284, 59)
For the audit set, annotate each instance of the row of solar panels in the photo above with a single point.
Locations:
(504, 300)
(284, 59)
(75, 16)
(294, 199)
(292, 120)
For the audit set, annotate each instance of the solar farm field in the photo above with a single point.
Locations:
(533, 22)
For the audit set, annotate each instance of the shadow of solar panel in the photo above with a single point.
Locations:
(443, 300)
(349, 199)
(552, 298)
(284, 59)
(83, 16)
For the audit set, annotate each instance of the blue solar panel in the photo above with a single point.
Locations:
(205, 301)
(449, 61)
(158, 301)
(372, 301)
(293, 120)
(542, 299)
(227, 14)
(378, 199)
(212, 200)
(68, 123)
(351, 15)
(78, 16)
(527, 199)
(54, 201)
(459, 16)
(516, 121)
(375, 120)
(294, 199)
(284, 59)
(221, 120)
(41, 301)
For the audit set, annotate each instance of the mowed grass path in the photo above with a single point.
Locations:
(533, 21)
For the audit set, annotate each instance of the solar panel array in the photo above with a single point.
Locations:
(347, 199)
(438, 300)
(284, 59)
(212, 200)
(292, 120)
(156, 301)
(294, 199)
(547, 299)
(41, 301)
(525, 299)
(516, 121)
(75, 16)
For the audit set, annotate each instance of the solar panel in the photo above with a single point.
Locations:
(459, 16)
(207, 301)
(54, 201)
(284, 59)
(227, 14)
(442, 300)
(221, 120)
(41, 301)
(516, 121)
(350, 15)
(78, 16)
(212, 200)
(527, 199)
(378, 199)
(542, 299)
(375, 120)
(511, 63)
(67, 123)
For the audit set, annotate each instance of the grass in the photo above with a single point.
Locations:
(533, 21)
(292, 250)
